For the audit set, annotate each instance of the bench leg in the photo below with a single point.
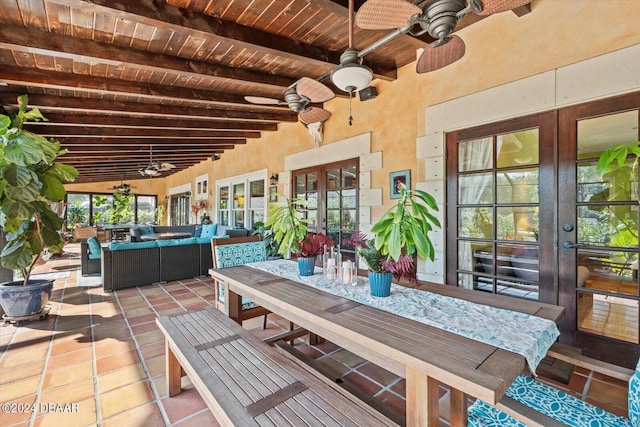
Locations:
(423, 398)
(174, 372)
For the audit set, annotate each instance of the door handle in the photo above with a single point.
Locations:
(570, 245)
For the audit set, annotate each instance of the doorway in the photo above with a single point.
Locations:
(529, 216)
(331, 192)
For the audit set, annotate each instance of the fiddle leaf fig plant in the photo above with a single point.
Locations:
(288, 225)
(30, 180)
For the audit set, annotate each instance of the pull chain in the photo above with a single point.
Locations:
(350, 99)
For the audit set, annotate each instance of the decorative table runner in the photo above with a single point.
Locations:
(521, 333)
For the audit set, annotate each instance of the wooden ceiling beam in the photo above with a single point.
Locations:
(29, 40)
(102, 121)
(141, 133)
(67, 104)
(99, 85)
(176, 143)
(163, 15)
(79, 151)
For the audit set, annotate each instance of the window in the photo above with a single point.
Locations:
(202, 187)
(96, 209)
(241, 200)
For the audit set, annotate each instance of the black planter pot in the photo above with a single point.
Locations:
(22, 301)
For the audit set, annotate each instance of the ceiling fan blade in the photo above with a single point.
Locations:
(314, 114)
(314, 90)
(490, 7)
(385, 14)
(262, 100)
(435, 57)
(165, 167)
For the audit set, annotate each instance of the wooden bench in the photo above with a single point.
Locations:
(245, 382)
(532, 403)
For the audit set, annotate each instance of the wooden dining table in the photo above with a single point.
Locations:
(423, 354)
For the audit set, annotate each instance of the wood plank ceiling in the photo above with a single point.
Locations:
(119, 78)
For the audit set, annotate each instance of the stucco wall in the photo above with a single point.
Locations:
(500, 50)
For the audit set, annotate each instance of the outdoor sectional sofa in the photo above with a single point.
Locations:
(130, 264)
(126, 265)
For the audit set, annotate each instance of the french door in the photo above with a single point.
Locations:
(598, 231)
(331, 192)
(529, 216)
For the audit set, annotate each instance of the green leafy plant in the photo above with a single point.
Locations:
(30, 180)
(400, 235)
(405, 227)
(288, 225)
(613, 161)
(271, 245)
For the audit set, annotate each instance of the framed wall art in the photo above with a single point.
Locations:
(398, 179)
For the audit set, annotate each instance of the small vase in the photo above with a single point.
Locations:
(306, 265)
(380, 284)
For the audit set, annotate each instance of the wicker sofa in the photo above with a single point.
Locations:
(126, 265)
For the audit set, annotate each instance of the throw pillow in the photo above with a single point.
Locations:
(94, 245)
(198, 232)
(209, 230)
(147, 229)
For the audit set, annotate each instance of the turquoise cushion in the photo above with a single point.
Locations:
(240, 253)
(177, 242)
(634, 396)
(202, 240)
(545, 399)
(121, 246)
(94, 247)
(147, 229)
(209, 230)
(198, 232)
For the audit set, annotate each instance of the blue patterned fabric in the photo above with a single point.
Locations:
(238, 254)
(545, 399)
(209, 230)
(94, 248)
(521, 333)
(634, 397)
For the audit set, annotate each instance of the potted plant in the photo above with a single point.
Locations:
(289, 229)
(270, 244)
(400, 235)
(288, 225)
(309, 249)
(30, 180)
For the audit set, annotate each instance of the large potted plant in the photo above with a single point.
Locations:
(400, 235)
(30, 180)
(288, 225)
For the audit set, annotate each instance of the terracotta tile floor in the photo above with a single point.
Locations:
(99, 359)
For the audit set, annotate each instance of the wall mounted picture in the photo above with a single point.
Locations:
(272, 194)
(398, 179)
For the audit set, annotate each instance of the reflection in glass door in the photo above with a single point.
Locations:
(496, 243)
(599, 259)
(332, 197)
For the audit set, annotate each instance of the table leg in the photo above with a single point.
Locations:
(457, 408)
(233, 305)
(423, 396)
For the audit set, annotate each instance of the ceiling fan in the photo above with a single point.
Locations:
(439, 18)
(154, 168)
(123, 187)
(298, 96)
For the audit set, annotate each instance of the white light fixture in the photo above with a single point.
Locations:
(351, 76)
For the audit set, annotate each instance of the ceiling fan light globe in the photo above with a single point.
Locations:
(151, 171)
(351, 77)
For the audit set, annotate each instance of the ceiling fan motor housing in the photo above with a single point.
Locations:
(442, 17)
(294, 100)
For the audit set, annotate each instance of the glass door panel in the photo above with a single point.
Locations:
(607, 232)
